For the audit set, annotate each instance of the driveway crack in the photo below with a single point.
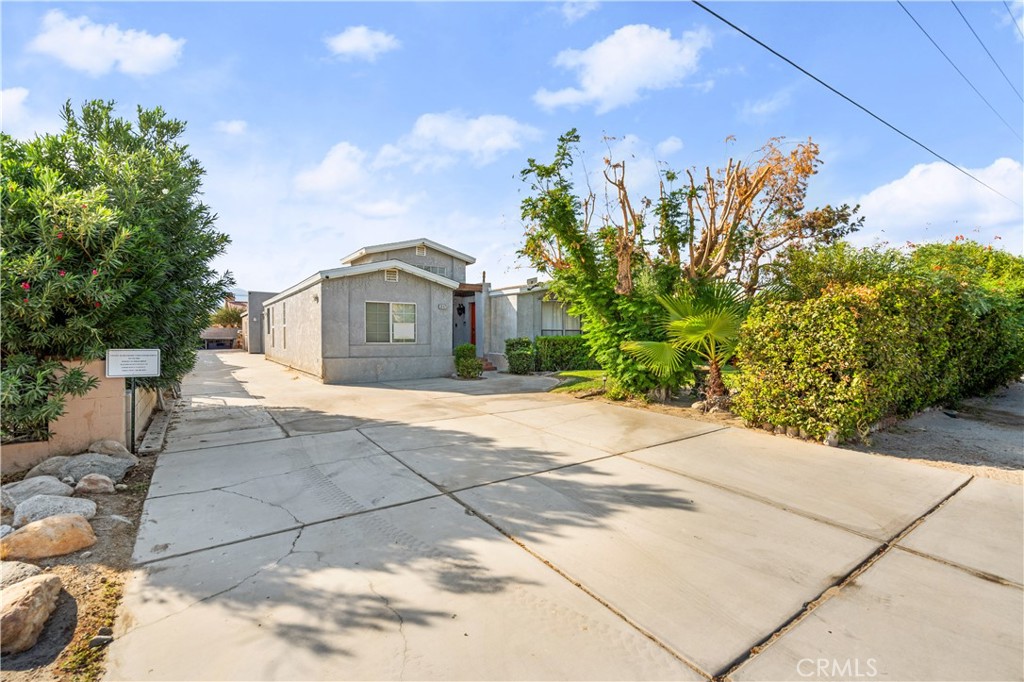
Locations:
(401, 627)
(272, 504)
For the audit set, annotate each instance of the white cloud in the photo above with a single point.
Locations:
(768, 105)
(615, 71)
(936, 202)
(97, 49)
(574, 10)
(436, 140)
(669, 146)
(1017, 12)
(341, 171)
(385, 208)
(233, 127)
(19, 121)
(361, 42)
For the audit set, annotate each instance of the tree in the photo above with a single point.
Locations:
(612, 266)
(106, 244)
(704, 322)
(227, 316)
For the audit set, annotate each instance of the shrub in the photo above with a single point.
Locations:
(469, 368)
(858, 336)
(519, 352)
(467, 364)
(560, 353)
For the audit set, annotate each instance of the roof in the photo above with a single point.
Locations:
(213, 333)
(353, 270)
(394, 246)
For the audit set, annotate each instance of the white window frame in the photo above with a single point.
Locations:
(391, 323)
(436, 269)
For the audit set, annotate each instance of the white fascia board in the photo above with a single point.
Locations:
(353, 270)
(407, 244)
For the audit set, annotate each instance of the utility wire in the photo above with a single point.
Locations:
(851, 101)
(1013, 19)
(1009, 127)
(1008, 81)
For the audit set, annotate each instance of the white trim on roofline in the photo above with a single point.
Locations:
(353, 270)
(409, 243)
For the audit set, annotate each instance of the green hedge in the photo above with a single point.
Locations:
(846, 354)
(520, 355)
(467, 364)
(560, 353)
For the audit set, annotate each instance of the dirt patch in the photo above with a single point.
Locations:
(981, 437)
(93, 580)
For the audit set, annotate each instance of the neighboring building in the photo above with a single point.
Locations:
(524, 311)
(253, 323)
(393, 311)
(218, 337)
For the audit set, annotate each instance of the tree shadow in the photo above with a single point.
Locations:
(345, 549)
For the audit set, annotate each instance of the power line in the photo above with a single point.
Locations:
(851, 101)
(1008, 81)
(1013, 19)
(978, 92)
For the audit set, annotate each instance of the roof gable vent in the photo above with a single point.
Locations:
(391, 275)
(421, 250)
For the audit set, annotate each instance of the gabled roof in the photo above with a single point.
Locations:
(408, 244)
(353, 270)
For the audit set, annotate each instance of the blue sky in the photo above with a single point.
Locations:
(327, 126)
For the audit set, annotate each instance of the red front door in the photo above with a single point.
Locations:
(472, 323)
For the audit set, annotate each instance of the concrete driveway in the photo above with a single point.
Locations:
(445, 529)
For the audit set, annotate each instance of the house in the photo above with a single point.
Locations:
(396, 311)
(392, 311)
(527, 310)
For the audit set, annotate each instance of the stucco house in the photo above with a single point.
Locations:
(392, 311)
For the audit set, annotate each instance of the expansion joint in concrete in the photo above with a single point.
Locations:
(834, 589)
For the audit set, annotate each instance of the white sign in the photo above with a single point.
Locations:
(133, 362)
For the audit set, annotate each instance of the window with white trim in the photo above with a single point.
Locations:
(390, 322)
(436, 269)
(556, 320)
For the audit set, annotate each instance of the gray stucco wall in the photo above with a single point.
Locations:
(348, 358)
(511, 314)
(295, 340)
(254, 328)
(456, 267)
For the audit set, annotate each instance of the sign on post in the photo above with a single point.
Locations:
(133, 362)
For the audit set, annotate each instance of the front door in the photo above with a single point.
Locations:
(472, 323)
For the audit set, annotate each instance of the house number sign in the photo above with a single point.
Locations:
(133, 362)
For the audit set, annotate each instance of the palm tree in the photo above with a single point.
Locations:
(706, 323)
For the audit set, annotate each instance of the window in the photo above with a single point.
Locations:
(284, 324)
(390, 322)
(555, 321)
(391, 275)
(421, 250)
(436, 269)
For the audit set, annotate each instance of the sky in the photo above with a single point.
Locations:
(327, 126)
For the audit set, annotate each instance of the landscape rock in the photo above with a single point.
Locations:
(52, 536)
(121, 486)
(6, 530)
(112, 448)
(113, 468)
(120, 519)
(832, 438)
(26, 607)
(699, 405)
(48, 467)
(100, 640)
(12, 572)
(67, 480)
(94, 484)
(13, 494)
(44, 506)
(792, 431)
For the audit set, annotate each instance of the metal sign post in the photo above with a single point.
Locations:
(130, 363)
